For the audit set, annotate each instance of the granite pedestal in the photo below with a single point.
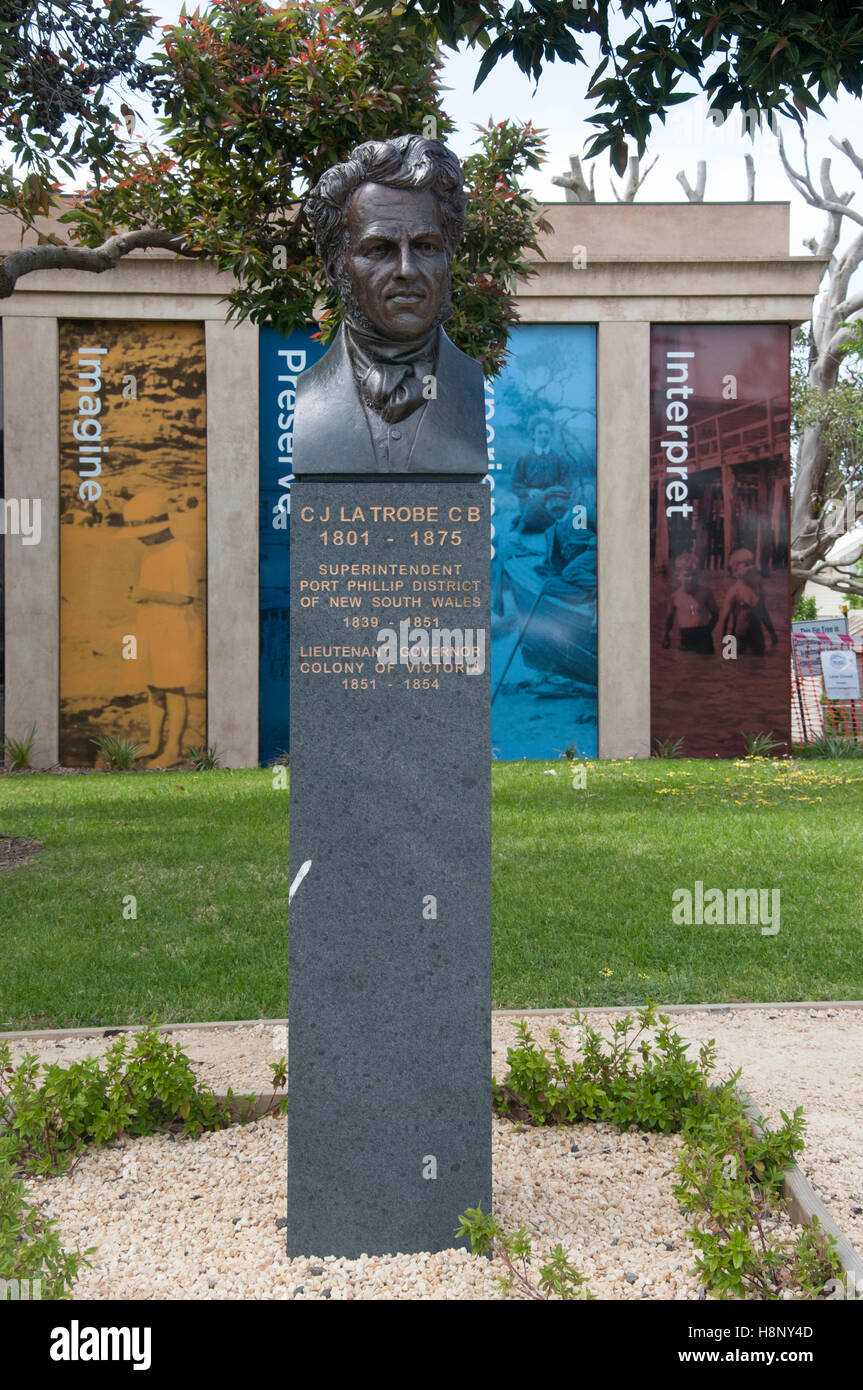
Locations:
(389, 1091)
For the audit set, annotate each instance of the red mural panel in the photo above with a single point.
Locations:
(719, 536)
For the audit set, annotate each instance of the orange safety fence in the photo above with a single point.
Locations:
(813, 716)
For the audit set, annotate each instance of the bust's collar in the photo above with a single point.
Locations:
(386, 349)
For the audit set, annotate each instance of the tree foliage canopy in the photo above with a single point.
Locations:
(58, 61)
(762, 55)
(255, 104)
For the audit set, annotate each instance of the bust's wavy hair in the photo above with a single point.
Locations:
(408, 161)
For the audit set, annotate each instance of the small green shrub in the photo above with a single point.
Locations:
(729, 1176)
(117, 754)
(279, 1104)
(829, 746)
(668, 748)
(30, 1247)
(48, 1115)
(558, 1276)
(760, 745)
(203, 759)
(18, 750)
(606, 1084)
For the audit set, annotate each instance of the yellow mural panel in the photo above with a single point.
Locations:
(133, 538)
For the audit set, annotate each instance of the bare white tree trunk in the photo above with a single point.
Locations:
(814, 531)
(578, 190)
(750, 178)
(574, 183)
(696, 194)
(634, 179)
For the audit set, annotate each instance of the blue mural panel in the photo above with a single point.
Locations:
(542, 461)
(281, 362)
(541, 414)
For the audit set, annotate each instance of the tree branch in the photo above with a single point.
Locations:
(696, 194)
(827, 185)
(95, 259)
(805, 187)
(577, 188)
(848, 307)
(846, 147)
(846, 265)
(634, 179)
(840, 582)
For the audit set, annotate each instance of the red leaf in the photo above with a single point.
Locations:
(778, 47)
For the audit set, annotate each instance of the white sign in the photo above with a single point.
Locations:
(811, 627)
(841, 680)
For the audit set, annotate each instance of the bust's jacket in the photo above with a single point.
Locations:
(332, 434)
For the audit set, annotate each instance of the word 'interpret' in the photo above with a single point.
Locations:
(677, 450)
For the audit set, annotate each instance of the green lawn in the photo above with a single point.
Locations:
(583, 882)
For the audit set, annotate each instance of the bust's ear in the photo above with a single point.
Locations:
(330, 272)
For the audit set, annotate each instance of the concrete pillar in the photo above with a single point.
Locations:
(31, 446)
(232, 542)
(623, 538)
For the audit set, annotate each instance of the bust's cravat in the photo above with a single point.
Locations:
(389, 375)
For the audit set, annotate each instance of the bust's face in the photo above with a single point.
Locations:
(396, 259)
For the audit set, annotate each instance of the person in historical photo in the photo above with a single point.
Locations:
(392, 394)
(165, 629)
(535, 474)
(693, 607)
(569, 567)
(744, 611)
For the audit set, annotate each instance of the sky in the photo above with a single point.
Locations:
(557, 105)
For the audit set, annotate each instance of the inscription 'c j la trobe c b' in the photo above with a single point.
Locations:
(389, 1130)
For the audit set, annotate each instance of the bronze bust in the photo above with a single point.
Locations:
(392, 395)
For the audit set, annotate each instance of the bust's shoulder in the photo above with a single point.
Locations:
(320, 375)
(454, 357)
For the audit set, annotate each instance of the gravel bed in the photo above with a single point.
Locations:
(176, 1218)
(198, 1218)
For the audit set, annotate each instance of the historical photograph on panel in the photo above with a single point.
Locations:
(719, 478)
(541, 414)
(132, 540)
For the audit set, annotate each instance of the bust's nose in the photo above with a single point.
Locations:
(406, 265)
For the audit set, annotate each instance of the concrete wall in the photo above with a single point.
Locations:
(671, 232)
